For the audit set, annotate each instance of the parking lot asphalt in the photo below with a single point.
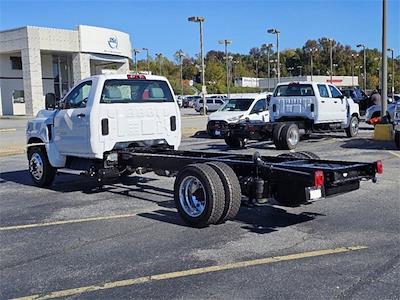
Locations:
(126, 240)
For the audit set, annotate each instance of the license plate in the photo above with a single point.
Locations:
(217, 132)
(315, 194)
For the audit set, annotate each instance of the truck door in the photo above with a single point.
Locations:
(338, 104)
(71, 122)
(259, 111)
(324, 105)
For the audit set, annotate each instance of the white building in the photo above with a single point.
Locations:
(265, 83)
(35, 61)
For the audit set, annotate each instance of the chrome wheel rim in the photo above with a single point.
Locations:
(192, 196)
(36, 166)
(293, 137)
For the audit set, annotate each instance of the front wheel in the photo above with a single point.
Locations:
(352, 130)
(235, 142)
(42, 173)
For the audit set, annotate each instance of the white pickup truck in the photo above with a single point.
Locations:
(234, 110)
(109, 126)
(297, 109)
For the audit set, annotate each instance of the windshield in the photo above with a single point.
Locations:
(294, 89)
(237, 105)
(135, 91)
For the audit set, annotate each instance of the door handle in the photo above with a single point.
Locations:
(335, 101)
(322, 101)
(81, 115)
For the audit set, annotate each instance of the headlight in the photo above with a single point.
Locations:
(234, 119)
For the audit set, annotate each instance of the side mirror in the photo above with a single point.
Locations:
(342, 96)
(50, 101)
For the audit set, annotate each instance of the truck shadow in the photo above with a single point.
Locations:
(135, 187)
(368, 144)
(259, 220)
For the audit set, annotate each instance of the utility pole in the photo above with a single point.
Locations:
(311, 60)
(352, 68)
(147, 58)
(135, 52)
(181, 55)
(159, 57)
(384, 62)
(201, 20)
(331, 57)
(226, 43)
(392, 50)
(364, 65)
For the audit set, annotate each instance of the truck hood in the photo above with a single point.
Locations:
(225, 115)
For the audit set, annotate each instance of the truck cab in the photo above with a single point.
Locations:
(103, 113)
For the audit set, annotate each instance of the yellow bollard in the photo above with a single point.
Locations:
(383, 132)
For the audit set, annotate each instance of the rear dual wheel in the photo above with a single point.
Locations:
(207, 194)
(286, 136)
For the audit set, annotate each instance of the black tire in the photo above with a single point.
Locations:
(40, 169)
(233, 194)
(235, 142)
(201, 111)
(276, 133)
(352, 130)
(214, 195)
(309, 155)
(397, 139)
(289, 137)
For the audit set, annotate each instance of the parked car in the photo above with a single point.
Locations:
(396, 122)
(190, 100)
(212, 104)
(234, 110)
(179, 100)
(373, 113)
(358, 97)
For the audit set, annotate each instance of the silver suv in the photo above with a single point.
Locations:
(212, 104)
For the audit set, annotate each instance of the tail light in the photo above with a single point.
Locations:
(319, 178)
(136, 76)
(379, 167)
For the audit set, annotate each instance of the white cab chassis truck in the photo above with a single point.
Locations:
(298, 109)
(110, 126)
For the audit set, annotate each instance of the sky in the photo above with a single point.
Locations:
(162, 26)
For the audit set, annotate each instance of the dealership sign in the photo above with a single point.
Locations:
(104, 40)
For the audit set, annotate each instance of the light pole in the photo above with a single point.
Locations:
(147, 58)
(159, 57)
(352, 68)
(256, 63)
(311, 60)
(201, 20)
(299, 67)
(226, 43)
(331, 57)
(277, 32)
(334, 66)
(384, 62)
(181, 55)
(392, 50)
(364, 65)
(290, 69)
(269, 46)
(135, 52)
